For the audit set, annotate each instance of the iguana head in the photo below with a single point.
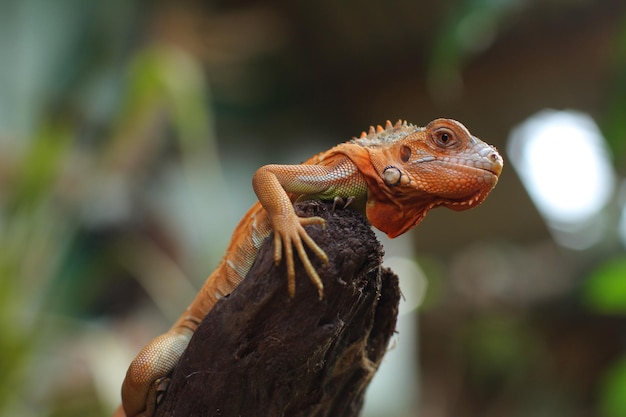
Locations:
(414, 170)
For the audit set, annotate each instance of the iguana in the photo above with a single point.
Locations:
(393, 174)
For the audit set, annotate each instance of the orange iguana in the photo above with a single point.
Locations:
(393, 174)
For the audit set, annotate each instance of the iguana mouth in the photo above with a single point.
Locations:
(493, 165)
(496, 169)
(489, 172)
(486, 159)
(492, 175)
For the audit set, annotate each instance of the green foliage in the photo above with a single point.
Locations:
(614, 125)
(62, 137)
(498, 347)
(613, 394)
(469, 28)
(605, 289)
(605, 293)
(40, 166)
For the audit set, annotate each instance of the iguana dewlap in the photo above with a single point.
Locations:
(393, 174)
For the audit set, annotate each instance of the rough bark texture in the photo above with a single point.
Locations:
(260, 353)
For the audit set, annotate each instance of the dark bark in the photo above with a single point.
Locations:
(260, 353)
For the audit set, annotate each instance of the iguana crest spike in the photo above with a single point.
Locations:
(379, 136)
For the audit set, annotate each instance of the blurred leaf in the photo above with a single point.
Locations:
(41, 165)
(166, 86)
(614, 125)
(468, 29)
(613, 397)
(16, 342)
(605, 290)
(497, 346)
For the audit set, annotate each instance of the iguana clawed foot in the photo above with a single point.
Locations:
(340, 201)
(291, 234)
(293, 237)
(155, 394)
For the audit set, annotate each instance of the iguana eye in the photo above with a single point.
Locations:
(444, 137)
(405, 153)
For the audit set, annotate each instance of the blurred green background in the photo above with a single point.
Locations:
(129, 132)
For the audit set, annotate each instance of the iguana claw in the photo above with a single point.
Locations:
(295, 239)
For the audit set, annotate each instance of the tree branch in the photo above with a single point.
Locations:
(258, 352)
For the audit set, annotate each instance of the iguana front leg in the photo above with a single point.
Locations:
(271, 184)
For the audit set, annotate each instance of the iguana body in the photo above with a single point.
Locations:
(394, 175)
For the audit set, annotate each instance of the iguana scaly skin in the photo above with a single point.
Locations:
(393, 174)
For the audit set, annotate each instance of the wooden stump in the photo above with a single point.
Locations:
(260, 353)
